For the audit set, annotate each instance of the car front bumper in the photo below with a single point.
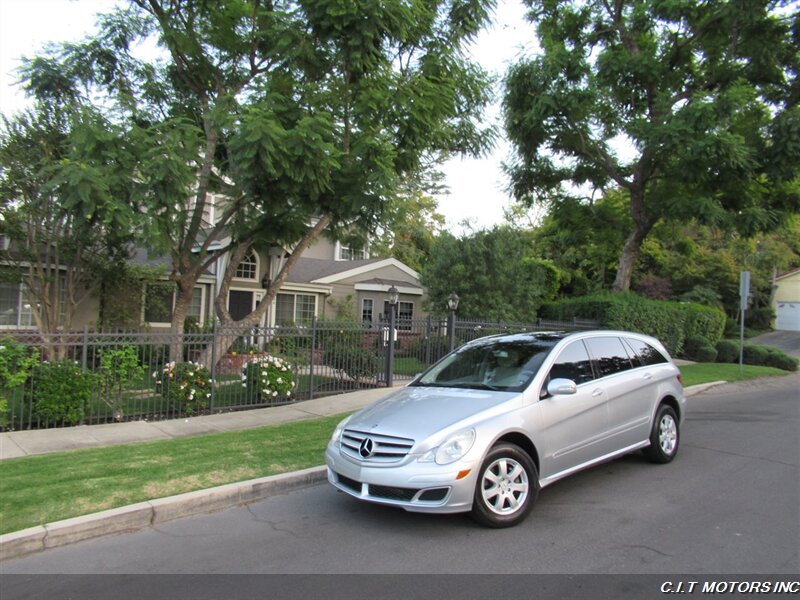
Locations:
(411, 485)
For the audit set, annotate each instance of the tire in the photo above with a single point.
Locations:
(507, 487)
(665, 436)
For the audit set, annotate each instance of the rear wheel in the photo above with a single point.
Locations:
(665, 436)
(507, 487)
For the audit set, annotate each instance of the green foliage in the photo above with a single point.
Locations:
(699, 348)
(701, 294)
(268, 379)
(60, 392)
(727, 351)
(670, 322)
(495, 273)
(118, 366)
(769, 357)
(186, 387)
(278, 112)
(352, 361)
(16, 363)
(705, 92)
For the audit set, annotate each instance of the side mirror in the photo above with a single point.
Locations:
(562, 387)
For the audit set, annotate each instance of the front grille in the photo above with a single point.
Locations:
(393, 493)
(385, 448)
(349, 483)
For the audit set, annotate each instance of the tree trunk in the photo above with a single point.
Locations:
(229, 330)
(642, 224)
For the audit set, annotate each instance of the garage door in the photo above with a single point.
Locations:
(788, 316)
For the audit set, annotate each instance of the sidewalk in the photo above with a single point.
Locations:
(15, 444)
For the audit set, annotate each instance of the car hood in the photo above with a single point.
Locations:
(417, 412)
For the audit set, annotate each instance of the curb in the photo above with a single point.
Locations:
(147, 514)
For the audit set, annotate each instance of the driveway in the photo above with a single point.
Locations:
(788, 341)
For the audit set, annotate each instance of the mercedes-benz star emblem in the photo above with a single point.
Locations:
(367, 448)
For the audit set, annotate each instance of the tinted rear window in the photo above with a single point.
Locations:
(609, 355)
(645, 353)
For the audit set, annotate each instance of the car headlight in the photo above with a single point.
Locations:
(336, 437)
(452, 449)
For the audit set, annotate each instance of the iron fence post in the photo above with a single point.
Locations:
(311, 357)
(390, 349)
(213, 364)
(85, 349)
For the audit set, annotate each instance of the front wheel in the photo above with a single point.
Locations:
(665, 436)
(507, 487)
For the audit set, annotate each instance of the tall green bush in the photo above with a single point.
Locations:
(60, 392)
(16, 363)
(670, 322)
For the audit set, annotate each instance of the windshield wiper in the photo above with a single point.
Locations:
(472, 386)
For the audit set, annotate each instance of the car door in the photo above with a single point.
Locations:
(573, 427)
(628, 390)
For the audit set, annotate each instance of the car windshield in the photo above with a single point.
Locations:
(503, 364)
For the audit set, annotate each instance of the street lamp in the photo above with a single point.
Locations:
(452, 305)
(394, 298)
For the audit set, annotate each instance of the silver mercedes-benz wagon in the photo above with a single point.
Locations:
(501, 417)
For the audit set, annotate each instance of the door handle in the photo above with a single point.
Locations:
(597, 393)
(648, 376)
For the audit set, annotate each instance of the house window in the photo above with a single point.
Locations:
(294, 308)
(405, 313)
(367, 307)
(14, 309)
(347, 253)
(248, 268)
(159, 303)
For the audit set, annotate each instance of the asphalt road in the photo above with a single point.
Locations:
(728, 504)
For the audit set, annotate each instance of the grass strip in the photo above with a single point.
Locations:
(707, 372)
(35, 490)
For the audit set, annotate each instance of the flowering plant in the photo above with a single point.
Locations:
(186, 386)
(268, 377)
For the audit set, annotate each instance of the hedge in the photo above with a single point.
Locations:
(670, 322)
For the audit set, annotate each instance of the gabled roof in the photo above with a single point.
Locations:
(315, 270)
(788, 274)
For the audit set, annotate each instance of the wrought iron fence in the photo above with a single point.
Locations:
(90, 378)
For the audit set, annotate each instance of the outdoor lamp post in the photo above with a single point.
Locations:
(452, 305)
(394, 298)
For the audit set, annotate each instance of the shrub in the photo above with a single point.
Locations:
(268, 378)
(727, 351)
(706, 354)
(781, 360)
(118, 366)
(185, 386)
(3, 412)
(671, 322)
(693, 344)
(756, 355)
(60, 392)
(352, 361)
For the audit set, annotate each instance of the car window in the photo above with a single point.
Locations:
(646, 354)
(609, 355)
(573, 363)
(497, 364)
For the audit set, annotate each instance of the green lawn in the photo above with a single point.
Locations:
(708, 372)
(41, 489)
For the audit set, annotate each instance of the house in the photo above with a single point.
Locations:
(786, 301)
(328, 274)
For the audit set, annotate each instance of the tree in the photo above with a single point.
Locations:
(703, 94)
(494, 272)
(284, 119)
(411, 226)
(53, 252)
